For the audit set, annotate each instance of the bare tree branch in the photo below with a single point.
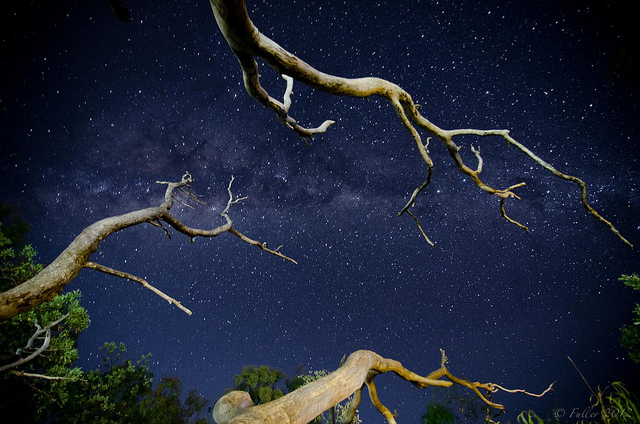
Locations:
(547, 390)
(263, 246)
(138, 280)
(43, 376)
(359, 370)
(45, 334)
(45, 285)
(420, 228)
(247, 43)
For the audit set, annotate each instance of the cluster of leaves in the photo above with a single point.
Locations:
(438, 414)
(121, 391)
(630, 338)
(623, 406)
(118, 391)
(450, 406)
(23, 336)
(530, 417)
(18, 266)
(264, 383)
(54, 364)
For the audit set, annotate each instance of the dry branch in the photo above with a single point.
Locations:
(42, 376)
(51, 280)
(247, 43)
(141, 281)
(40, 333)
(359, 370)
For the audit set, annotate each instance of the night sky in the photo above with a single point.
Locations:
(94, 111)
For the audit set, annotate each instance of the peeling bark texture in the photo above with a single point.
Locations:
(247, 43)
(50, 281)
(359, 370)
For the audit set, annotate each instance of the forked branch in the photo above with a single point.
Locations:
(247, 43)
(45, 285)
(41, 333)
(359, 370)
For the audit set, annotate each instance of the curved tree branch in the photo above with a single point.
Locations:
(247, 43)
(46, 341)
(361, 367)
(50, 281)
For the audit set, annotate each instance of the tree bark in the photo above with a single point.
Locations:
(359, 370)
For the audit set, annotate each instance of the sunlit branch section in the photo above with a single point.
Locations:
(358, 371)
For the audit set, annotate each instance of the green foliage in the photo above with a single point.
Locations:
(163, 405)
(630, 338)
(438, 414)
(260, 383)
(15, 267)
(15, 227)
(624, 406)
(530, 417)
(108, 394)
(620, 406)
(17, 339)
(119, 391)
(450, 405)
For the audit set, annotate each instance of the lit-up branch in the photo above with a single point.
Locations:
(358, 371)
(247, 43)
(51, 280)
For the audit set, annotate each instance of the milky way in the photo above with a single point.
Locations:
(94, 111)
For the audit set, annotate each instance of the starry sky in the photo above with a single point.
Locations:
(95, 110)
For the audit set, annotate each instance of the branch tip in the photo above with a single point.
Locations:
(141, 281)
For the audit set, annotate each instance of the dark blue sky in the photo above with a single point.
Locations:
(94, 111)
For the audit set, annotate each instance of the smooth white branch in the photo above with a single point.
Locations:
(40, 333)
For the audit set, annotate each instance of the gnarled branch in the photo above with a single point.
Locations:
(44, 334)
(45, 285)
(247, 43)
(359, 370)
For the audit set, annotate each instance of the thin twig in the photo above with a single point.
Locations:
(513, 221)
(263, 246)
(582, 375)
(477, 153)
(158, 224)
(135, 279)
(548, 389)
(420, 228)
(45, 377)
